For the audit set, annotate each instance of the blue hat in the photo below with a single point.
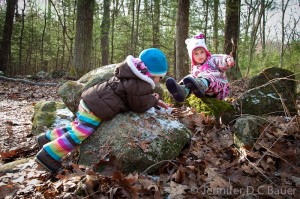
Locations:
(155, 60)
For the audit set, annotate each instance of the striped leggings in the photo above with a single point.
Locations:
(63, 140)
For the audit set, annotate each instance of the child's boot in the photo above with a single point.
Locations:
(196, 85)
(178, 91)
(45, 160)
(41, 140)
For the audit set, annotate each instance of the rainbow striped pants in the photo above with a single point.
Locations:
(63, 140)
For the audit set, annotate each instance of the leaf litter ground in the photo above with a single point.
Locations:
(209, 167)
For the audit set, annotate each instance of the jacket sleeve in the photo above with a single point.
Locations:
(140, 104)
(219, 60)
(139, 96)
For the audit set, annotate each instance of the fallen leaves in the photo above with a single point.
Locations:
(209, 167)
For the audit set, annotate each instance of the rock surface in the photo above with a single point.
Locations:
(137, 140)
(273, 91)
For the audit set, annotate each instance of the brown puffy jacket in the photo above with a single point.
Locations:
(123, 92)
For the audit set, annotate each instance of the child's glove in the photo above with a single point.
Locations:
(230, 62)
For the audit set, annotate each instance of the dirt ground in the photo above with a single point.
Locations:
(17, 101)
(271, 169)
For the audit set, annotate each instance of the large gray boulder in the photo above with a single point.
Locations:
(138, 141)
(273, 91)
(70, 91)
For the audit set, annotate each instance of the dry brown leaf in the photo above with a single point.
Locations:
(179, 176)
(296, 180)
(247, 168)
(176, 190)
(144, 145)
(268, 164)
(125, 184)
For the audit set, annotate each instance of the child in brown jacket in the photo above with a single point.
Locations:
(130, 89)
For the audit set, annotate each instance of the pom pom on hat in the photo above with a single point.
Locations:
(196, 42)
(155, 60)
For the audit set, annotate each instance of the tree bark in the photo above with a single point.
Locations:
(215, 25)
(263, 30)
(156, 22)
(137, 26)
(105, 25)
(206, 5)
(83, 37)
(114, 13)
(7, 34)
(283, 9)
(232, 23)
(21, 40)
(182, 28)
(43, 38)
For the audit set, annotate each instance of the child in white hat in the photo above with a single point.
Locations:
(207, 73)
(130, 89)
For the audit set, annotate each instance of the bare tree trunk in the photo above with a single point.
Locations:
(264, 30)
(132, 25)
(72, 38)
(7, 34)
(105, 25)
(205, 2)
(83, 38)
(156, 22)
(182, 27)
(232, 24)
(137, 26)
(147, 16)
(64, 36)
(283, 9)
(253, 33)
(21, 40)
(215, 25)
(30, 51)
(43, 38)
(57, 57)
(115, 5)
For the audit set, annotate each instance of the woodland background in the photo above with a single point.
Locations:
(67, 38)
(71, 37)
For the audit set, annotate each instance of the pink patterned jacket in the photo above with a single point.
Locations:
(214, 71)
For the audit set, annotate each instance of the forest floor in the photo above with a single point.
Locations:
(209, 167)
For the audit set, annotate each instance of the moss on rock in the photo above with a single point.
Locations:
(44, 115)
(212, 107)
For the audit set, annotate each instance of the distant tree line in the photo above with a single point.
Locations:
(75, 36)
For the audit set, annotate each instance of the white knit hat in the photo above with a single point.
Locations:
(195, 42)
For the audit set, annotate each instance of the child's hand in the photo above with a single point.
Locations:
(230, 61)
(156, 95)
(162, 104)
